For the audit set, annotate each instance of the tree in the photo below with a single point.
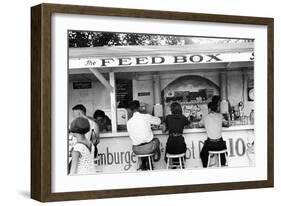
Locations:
(96, 39)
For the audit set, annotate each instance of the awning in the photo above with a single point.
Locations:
(124, 58)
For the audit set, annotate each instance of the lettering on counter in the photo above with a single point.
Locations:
(126, 160)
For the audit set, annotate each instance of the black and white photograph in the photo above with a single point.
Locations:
(132, 102)
(140, 102)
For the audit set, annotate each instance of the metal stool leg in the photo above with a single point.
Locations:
(226, 158)
(219, 157)
(180, 162)
(138, 163)
(209, 160)
(150, 165)
(168, 163)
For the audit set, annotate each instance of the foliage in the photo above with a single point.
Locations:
(96, 39)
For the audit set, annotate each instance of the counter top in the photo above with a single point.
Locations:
(185, 131)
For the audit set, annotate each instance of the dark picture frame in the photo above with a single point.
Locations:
(41, 118)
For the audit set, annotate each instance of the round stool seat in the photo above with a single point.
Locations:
(175, 156)
(148, 156)
(218, 152)
(145, 155)
(218, 157)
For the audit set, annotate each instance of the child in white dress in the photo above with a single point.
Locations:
(83, 151)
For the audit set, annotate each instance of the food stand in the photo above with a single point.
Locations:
(107, 78)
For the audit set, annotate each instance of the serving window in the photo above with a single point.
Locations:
(108, 78)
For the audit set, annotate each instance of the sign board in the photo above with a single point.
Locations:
(116, 153)
(141, 94)
(124, 92)
(82, 85)
(96, 62)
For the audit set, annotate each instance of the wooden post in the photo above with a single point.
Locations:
(157, 107)
(113, 102)
(223, 93)
(156, 89)
(223, 86)
(101, 78)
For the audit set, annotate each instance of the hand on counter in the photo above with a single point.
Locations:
(155, 127)
(193, 125)
(163, 128)
(226, 124)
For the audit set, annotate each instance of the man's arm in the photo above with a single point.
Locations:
(225, 123)
(153, 120)
(95, 133)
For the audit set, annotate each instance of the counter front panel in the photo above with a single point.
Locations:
(115, 149)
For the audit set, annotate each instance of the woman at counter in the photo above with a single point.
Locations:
(175, 124)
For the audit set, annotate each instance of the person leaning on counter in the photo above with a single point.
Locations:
(102, 120)
(139, 129)
(213, 123)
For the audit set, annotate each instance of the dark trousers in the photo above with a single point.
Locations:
(147, 148)
(96, 151)
(175, 145)
(212, 145)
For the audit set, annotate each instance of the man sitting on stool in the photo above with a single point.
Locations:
(139, 129)
(213, 124)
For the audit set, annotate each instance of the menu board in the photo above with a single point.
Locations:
(124, 92)
(192, 97)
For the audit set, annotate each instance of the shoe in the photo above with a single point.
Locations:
(147, 166)
(157, 155)
(142, 167)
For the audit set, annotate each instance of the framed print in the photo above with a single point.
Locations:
(132, 102)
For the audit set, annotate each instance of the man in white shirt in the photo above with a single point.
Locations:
(213, 123)
(139, 129)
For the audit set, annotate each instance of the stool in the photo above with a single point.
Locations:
(218, 155)
(148, 156)
(175, 156)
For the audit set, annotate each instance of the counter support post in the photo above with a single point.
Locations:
(157, 108)
(223, 93)
(113, 107)
(223, 86)
(156, 89)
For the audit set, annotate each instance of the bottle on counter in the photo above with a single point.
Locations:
(252, 117)
(232, 114)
